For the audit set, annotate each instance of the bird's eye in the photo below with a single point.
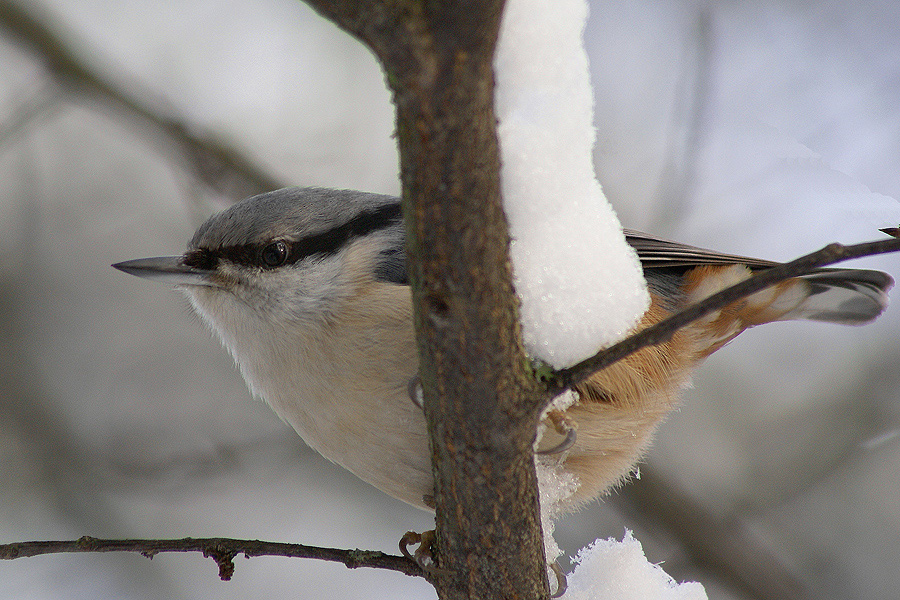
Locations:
(274, 254)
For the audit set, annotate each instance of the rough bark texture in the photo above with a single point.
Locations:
(481, 400)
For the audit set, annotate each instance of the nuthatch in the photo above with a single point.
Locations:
(307, 288)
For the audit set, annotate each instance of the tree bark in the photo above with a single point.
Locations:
(481, 400)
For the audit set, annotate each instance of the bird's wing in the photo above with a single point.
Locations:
(656, 252)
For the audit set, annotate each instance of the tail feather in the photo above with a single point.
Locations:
(845, 296)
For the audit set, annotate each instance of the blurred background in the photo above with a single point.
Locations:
(767, 128)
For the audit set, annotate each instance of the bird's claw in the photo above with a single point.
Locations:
(563, 426)
(562, 583)
(422, 555)
(416, 394)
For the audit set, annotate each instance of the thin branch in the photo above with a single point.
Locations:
(219, 165)
(221, 550)
(38, 105)
(664, 330)
(726, 547)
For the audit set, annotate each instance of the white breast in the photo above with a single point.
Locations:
(340, 383)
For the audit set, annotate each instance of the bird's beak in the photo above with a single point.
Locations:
(168, 269)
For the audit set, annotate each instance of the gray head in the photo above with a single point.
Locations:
(291, 225)
(305, 247)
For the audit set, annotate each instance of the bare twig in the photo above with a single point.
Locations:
(221, 550)
(222, 167)
(664, 330)
(38, 105)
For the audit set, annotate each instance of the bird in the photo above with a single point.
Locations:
(307, 288)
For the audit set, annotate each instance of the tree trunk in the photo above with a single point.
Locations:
(481, 400)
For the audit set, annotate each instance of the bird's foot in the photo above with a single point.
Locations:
(562, 583)
(565, 427)
(422, 555)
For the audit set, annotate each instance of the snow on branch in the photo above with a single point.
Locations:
(581, 286)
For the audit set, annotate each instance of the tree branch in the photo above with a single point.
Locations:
(664, 330)
(482, 403)
(221, 550)
(725, 546)
(222, 167)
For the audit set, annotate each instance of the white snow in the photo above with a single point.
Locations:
(581, 286)
(614, 570)
(606, 569)
(555, 485)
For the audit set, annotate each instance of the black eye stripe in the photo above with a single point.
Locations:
(325, 243)
(201, 258)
